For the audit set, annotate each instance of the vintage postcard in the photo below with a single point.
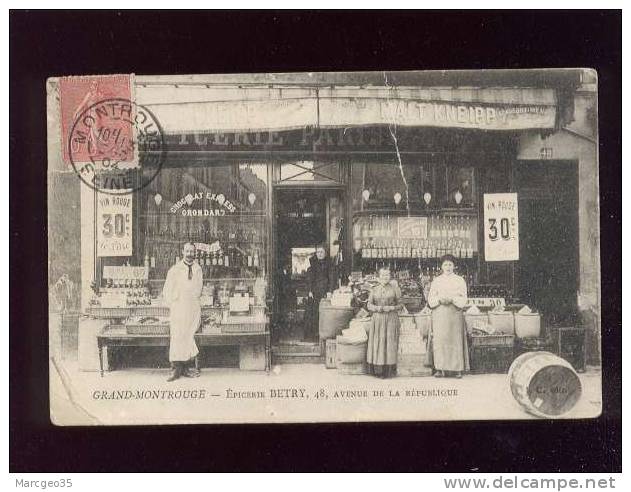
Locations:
(324, 247)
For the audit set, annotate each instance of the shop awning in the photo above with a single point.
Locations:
(207, 109)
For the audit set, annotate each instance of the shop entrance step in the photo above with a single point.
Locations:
(297, 353)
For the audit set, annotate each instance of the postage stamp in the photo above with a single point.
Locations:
(109, 139)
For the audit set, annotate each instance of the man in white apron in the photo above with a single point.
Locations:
(182, 292)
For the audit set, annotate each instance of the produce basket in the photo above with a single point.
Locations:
(412, 304)
(476, 321)
(527, 325)
(348, 353)
(502, 322)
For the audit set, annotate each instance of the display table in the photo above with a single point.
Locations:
(118, 337)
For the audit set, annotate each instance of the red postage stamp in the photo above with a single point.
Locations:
(77, 96)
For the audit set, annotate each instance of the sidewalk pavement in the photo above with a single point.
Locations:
(289, 393)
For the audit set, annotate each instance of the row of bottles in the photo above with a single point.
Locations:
(411, 248)
(438, 227)
(158, 259)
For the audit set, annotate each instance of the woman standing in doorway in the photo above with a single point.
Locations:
(321, 279)
(383, 337)
(447, 297)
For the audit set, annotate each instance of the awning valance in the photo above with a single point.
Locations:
(195, 109)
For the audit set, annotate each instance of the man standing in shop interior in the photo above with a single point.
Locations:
(182, 292)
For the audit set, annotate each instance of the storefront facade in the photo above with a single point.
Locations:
(383, 171)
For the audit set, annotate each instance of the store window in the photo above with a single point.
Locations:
(408, 214)
(220, 206)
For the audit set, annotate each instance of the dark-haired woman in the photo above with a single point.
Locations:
(321, 279)
(447, 297)
(383, 338)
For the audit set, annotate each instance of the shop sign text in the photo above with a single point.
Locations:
(114, 225)
(187, 207)
(501, 227)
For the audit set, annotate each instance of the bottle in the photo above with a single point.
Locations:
(255, 261)
(152, 260)
(146, 262)
(226, 260)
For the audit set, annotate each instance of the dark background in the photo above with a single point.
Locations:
(44, 44)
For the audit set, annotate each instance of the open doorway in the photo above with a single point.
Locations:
(305, 218)
(548, 268)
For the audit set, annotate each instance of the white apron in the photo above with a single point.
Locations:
(448, 337)
(182, 295)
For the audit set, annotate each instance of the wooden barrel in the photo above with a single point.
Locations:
(333, 319)
(544, 384)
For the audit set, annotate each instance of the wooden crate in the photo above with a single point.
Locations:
(569, 343)
(485, 359)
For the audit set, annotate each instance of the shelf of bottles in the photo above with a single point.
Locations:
(232, 247)
(379, 238)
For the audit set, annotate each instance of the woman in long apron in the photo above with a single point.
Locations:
(447, 297)
(383, 337)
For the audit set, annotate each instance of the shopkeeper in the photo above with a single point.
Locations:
(383, 337)
(182, 292)
(447, 297)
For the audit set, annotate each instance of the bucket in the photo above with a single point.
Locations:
(544, 384)
(333, 319)
(502, 322)
(527, 325)
(347, 353)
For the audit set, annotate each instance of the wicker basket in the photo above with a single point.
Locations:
(156, 329)
(348, 353)
(502, 322)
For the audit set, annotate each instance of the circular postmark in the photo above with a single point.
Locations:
(116, 146)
